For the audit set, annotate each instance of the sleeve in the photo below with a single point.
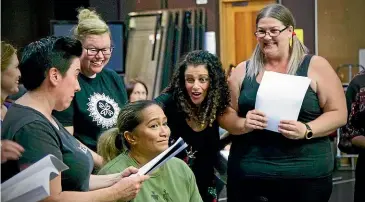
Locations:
(349, 131)
(65, 117)
(38, 140)
(164, 99)
(120, 84)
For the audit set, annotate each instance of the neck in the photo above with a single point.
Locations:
(140, 158)
(41, 101)
(4, 95)
(279, 59)
(87, 73)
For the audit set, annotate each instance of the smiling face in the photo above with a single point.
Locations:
(197, 83)
(96, 53)
(272, 46)
(68, 85)
(151, 136)
(10, 77)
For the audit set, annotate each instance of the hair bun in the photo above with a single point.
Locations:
(85, 14)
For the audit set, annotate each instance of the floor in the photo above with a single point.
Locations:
(343, 187)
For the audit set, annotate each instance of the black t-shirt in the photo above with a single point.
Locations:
(39, 137)
(96, 107)
(204, 144)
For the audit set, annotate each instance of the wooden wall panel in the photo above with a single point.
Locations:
(341, 29)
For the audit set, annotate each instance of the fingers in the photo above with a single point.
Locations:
(288, 134)
(287, 127)
(256, 120)
(5, 156)
(129, 171)
(11, 150)
(7, 144)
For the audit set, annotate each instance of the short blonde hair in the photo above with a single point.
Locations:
(89, 22)
(7, 51)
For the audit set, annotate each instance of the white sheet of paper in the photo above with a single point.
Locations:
(280, 97)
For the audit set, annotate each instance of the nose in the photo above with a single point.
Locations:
(165, 130)
(196, 85)
(99, 54)
(77, 86)
(267, 36)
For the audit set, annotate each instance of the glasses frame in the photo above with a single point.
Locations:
(98, 50)
(267, 32)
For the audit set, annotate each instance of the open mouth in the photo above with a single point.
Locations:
(196, 94)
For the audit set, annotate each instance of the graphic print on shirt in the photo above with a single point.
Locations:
(103, 109)
(165, 196)
(83, 148)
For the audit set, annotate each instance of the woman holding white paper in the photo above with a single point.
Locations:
(49, 69)
(295, 163)
(141, 135)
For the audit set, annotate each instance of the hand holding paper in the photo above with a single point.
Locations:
(280, 97)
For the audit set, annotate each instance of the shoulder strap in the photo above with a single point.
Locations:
(304, 66)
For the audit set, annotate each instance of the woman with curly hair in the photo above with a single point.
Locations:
(197, 95)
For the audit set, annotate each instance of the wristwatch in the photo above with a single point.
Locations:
(308, 134)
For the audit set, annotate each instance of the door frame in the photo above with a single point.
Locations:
(224, 55)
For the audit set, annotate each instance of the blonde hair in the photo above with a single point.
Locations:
(107, 147)
(7, 51)
(89, 22)
(297, 50)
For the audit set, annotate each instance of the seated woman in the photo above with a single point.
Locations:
(142, 134)
(49, 69)
(136, 90)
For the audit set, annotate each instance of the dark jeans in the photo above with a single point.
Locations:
(279, 190)
(360, 179)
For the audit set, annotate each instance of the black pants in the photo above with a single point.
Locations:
(360, 179)
(279, 190)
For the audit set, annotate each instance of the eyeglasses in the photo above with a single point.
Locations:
(271, 32)
(95, 51)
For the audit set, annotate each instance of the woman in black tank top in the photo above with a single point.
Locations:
(295, 164)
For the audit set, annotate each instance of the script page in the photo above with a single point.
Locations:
(280, 97)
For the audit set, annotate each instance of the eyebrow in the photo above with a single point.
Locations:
(156, 119)
(274, 27)
(198, 75)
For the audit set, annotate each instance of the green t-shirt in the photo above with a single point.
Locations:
(172, 182)
(96, 107)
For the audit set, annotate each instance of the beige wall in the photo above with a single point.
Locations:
(341, 31)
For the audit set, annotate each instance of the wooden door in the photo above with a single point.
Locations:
(237, 27)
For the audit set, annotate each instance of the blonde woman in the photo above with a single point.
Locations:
(95, 108)
(295, 164)
(10, 75)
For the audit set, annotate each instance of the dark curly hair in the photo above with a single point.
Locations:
(218, 96)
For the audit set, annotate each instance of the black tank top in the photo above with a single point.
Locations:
(263, 153)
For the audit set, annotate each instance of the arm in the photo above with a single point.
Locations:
(103, 181)
(125, 189)
(331, 98)
(38, 141)
(230, 119)
(352, 99)
(97, 159)
(120, 84)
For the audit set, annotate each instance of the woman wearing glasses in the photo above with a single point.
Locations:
(296, 163)
(95, 108)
